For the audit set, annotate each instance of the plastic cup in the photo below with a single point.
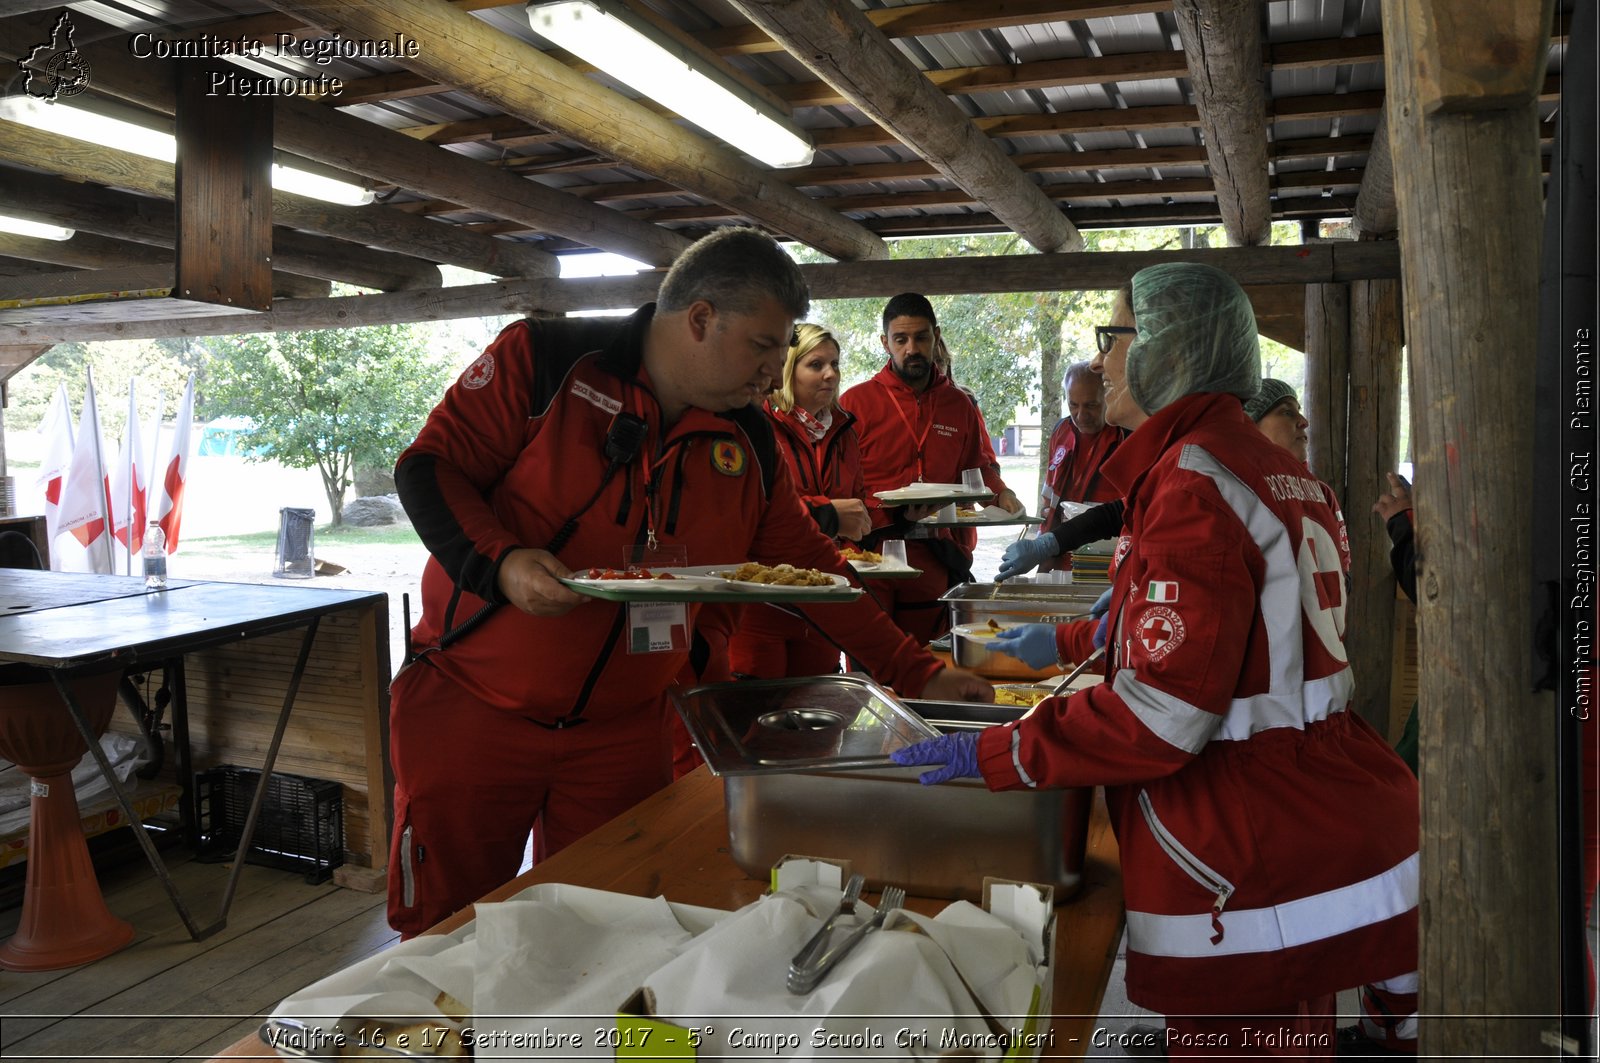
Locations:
(894, 553)
(972, 479)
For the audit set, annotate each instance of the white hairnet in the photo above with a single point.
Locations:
(1197, 333)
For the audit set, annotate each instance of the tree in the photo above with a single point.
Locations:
(328, 399)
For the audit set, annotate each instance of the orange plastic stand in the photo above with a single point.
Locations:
(65, 921)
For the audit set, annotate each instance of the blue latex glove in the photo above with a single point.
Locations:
(1025, 555)
(1032, 644)
(958, 753)
(1100, 632)
(1101, 604)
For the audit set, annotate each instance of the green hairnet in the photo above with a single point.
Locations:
(1273, 391)
(1197, 334)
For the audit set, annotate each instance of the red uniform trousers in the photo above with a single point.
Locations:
(770, 644)
(463, 807)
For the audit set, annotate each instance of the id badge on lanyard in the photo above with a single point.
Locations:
(657, 627)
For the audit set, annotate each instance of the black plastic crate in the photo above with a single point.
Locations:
(301, 826)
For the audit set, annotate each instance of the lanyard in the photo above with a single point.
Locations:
(920, 439)
(652, 474)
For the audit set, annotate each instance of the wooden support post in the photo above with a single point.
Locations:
(224, 195)
(1375, 343)
(1326, 401)
(1463, 78)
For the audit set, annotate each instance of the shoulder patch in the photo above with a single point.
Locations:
(1161, 630)
(479, 373)
(727, 457)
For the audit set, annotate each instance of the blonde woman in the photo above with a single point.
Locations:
(818, 440)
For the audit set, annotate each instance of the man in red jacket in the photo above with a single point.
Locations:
(1079, 445)
(572, 444)
(915, 425)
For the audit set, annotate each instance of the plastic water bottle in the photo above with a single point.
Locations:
(155, 558)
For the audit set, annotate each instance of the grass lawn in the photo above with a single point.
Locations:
(326, 534)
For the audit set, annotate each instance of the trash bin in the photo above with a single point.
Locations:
(296, 531)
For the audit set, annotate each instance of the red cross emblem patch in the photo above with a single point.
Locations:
(1161, 630)
(479, 373)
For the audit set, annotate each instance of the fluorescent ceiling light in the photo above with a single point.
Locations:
(101, 129)
(23, 227)
(633, 52)
(306, 183)
(599, 264)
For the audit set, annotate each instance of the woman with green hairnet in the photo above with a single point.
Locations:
(1242, 788)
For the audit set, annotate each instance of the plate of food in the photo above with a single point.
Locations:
(782, 579)
(978, 516)
(639, 583)
(871, 564)
(926, 494)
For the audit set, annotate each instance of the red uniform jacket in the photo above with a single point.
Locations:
(1075, 470)
(1243, 791)
(906, 437)
(493, 470)
(827, 469)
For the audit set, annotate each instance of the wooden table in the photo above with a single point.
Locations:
(675, 844)
(80, 623)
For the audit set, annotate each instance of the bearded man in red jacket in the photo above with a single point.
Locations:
(917, 426)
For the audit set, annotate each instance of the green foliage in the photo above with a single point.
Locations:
(330, 399)
(162, 365)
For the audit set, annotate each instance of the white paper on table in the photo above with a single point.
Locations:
(553, 971)
(394, 987)
(896, 995)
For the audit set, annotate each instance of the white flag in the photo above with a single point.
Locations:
(56, 432)
(130, 481)
(84, 504)
(169, 505)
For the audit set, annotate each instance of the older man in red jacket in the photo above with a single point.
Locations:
(915, 425)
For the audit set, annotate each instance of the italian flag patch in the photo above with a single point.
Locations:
(1161, 591)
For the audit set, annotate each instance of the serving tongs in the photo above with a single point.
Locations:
(803, 979)
(1066, 680)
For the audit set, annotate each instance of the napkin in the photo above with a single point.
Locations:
(895, 995)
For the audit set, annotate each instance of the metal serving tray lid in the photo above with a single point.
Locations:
(1034, 593)
(815, 723)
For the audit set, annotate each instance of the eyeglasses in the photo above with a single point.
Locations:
(1105, 336)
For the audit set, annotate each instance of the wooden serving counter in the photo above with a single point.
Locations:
(675, 844)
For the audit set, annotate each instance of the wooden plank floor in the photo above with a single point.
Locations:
(167, 997)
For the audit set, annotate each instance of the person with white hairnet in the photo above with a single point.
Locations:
(1275, 409)
(1242, 789)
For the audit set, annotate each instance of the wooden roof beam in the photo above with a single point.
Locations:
(949, 16)
(339, 139)
(89, 251)
(837, 42)
(1222, 46)
(90, 208)
(519, 79)
(1377, 216)
(1297, 264)
(374, 225)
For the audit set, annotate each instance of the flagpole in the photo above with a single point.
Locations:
(127, 429)
(100, 468)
